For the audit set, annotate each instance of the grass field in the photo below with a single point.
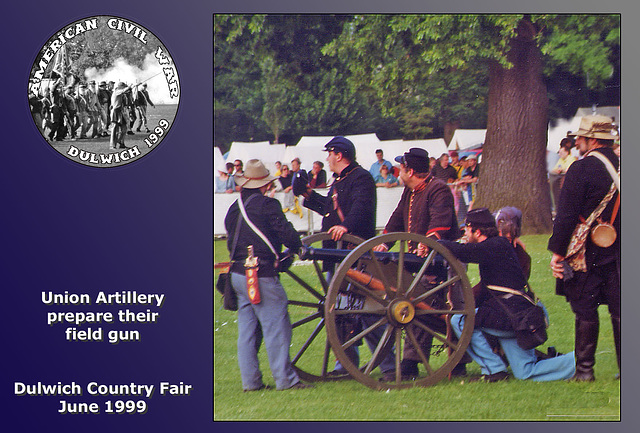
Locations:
(100, 145)
(448, 400)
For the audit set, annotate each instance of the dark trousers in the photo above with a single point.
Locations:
(588, 290)
(585, 292)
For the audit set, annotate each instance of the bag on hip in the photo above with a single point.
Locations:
(229, 296)
(530, 326)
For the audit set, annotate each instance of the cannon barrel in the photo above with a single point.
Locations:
(338, 255)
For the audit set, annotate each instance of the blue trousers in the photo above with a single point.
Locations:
(524, 363)
(269, 320)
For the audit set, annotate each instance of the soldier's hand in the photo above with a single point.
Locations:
(381, 248)
(337, 232)
(300, 183)
(422, 250)
(556, 266)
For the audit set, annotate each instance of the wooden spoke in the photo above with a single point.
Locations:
(421, 272)
(308, 342)
(306, 320)
(379, 348)
(436, 289)
(304, 284)
(416, 345)
(366, 291)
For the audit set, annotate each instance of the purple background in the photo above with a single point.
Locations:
(147, 226)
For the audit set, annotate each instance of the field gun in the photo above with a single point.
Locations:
(394, 291)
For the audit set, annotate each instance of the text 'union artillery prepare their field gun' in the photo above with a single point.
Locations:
(395, 301)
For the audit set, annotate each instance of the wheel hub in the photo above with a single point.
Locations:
(401, 311)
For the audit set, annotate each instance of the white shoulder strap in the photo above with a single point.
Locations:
(610, 168)
(256, 229)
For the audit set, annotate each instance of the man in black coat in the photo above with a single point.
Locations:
(501, 289)
(426, 207)
(350, 207)
(595, 280)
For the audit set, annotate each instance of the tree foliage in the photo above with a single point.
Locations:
(101, 47)
(410, 76)
(409, 61)
(311, 94)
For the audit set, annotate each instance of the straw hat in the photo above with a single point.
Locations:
(599, 127)
(255, 175)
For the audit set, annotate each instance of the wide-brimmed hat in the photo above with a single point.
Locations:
(416, 158)
(255, 175)
(596, 127)
(121, 85)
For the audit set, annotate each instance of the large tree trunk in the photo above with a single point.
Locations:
(513, 170)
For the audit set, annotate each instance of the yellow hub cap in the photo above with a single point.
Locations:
(403, 312)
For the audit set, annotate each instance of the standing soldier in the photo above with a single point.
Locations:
(118, 116)
(130, 109)
(350, 207)
(57, 114)
(37, 109)
(103, 104)
(83, 110)
(93, 109)
(71, 110)
(588, 269)
(141, 107)
(266, 315)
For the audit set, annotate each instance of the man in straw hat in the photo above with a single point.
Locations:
(588, 275)
(268, 319)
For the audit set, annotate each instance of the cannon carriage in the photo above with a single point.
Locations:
(394, 301)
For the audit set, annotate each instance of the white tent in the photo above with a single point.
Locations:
(314, 141)
(466, 139)
(435, 146)
(310, 149)
(307, 154)
(556, 133)
(263, 150)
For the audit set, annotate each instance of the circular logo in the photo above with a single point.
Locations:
(103, 91)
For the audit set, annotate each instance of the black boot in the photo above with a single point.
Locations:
(586, 343)
(409, 369)
(615, 321)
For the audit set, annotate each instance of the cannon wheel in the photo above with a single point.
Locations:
(395, 311)
(312, 358)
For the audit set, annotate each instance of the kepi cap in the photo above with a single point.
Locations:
(480, 217)
(341, 144)
(416, 158)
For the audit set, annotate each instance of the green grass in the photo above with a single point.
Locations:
(455, 400)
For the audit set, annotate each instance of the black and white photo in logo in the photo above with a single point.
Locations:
(103, 91)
